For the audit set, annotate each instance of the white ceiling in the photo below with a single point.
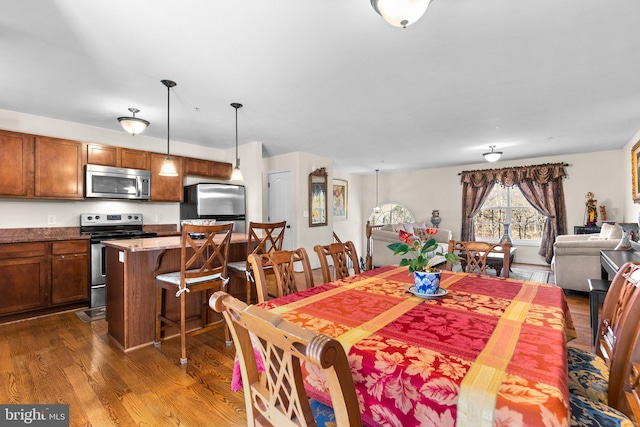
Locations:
(331, 77)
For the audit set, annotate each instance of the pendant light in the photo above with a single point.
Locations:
(377, 208)
(400, 13)
(134, 125)
(168, 168)
(493, 156)
(236, 175)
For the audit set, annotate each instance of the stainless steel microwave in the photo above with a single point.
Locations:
(117, 183)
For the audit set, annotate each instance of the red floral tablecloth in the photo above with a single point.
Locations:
(490, 352)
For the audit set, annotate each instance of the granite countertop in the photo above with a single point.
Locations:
(47, 234)
(159, 243)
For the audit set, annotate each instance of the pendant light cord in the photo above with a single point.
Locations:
(237, 137)
(168, 115)
(377, 170)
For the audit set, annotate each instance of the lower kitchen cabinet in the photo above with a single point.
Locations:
(69, 271)
(39, 277)
(24, 275)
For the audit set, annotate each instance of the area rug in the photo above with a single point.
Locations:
(530, 274)
(91, 314)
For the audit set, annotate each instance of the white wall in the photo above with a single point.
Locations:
(18, 213)
(602, 173)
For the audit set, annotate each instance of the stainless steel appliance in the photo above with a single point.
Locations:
(117, 183)
(103, 227)
(223, 202)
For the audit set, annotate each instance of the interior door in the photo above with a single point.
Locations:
(280, 203)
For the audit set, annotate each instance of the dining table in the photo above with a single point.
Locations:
(485, 351)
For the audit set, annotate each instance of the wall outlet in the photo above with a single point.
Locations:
(51, 219)
(158, 218)
(305, 214)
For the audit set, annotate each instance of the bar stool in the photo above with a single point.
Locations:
(203, 266)
(598, 289)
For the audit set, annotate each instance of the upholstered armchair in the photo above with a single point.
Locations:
(577, 256)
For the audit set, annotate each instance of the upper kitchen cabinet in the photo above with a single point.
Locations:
(166, 188)
(134, 159)
(106, 155)
(208, 168)
(16, 156)
(58, 168)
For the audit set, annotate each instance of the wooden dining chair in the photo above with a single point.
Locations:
(600, 376)
(203, 267)
(287, 266)
(344, 260)
(476, 256)
(277, 396)
(263, 237)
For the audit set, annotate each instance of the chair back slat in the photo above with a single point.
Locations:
(342, 255)
(287, 267)
(204, 250)
(475, 255)
(617, 330)
(277, 396)
(265, 237)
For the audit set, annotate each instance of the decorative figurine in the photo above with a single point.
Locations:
(592, 213)
(435, 218)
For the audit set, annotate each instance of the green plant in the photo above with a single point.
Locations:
(424, 252)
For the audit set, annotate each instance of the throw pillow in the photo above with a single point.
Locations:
(611, 231)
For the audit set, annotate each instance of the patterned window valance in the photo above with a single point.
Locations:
(540, 174)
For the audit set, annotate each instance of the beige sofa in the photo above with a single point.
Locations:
(577, 256)
(380, 236)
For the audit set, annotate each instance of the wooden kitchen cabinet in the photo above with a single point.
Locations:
(107, 155)
(16, 156)
(58, 168)
(134, 159)
(41, 277)
(69, 271)
(24, 276)
(208, 168)
(166, 188)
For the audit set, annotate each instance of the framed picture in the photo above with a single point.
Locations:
(318, 197)
(340, 192)
(635, 173)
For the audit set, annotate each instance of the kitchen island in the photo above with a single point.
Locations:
(131, 268)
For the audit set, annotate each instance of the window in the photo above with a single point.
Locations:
(391, 213)
(508, 205)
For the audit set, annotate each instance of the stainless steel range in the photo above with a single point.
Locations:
(103, 227)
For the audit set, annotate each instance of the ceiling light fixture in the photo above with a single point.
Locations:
(400, 13)
(134, 125)
(376, 208)
(168, 167)
(493, 156)
(236, 175)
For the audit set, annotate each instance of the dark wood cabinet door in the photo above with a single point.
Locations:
(23, 284)
(134, 159)
(104, 155)
(69, 278)
(69, 271)
(58, 168)
(166, 188)
(196, 167)
(220, 170)
(16, 158)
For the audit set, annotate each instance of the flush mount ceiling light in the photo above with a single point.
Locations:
(236, 175)
(168, 168)
(134, 125)
(400, 13)
(493, 156)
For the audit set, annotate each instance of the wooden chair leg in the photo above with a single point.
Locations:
(183, 329)
(159, 294)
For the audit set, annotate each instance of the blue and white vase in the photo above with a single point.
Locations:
(427, 282)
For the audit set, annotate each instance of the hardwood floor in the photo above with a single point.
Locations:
(59, 359)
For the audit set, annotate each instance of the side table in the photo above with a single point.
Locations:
(598, 289)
